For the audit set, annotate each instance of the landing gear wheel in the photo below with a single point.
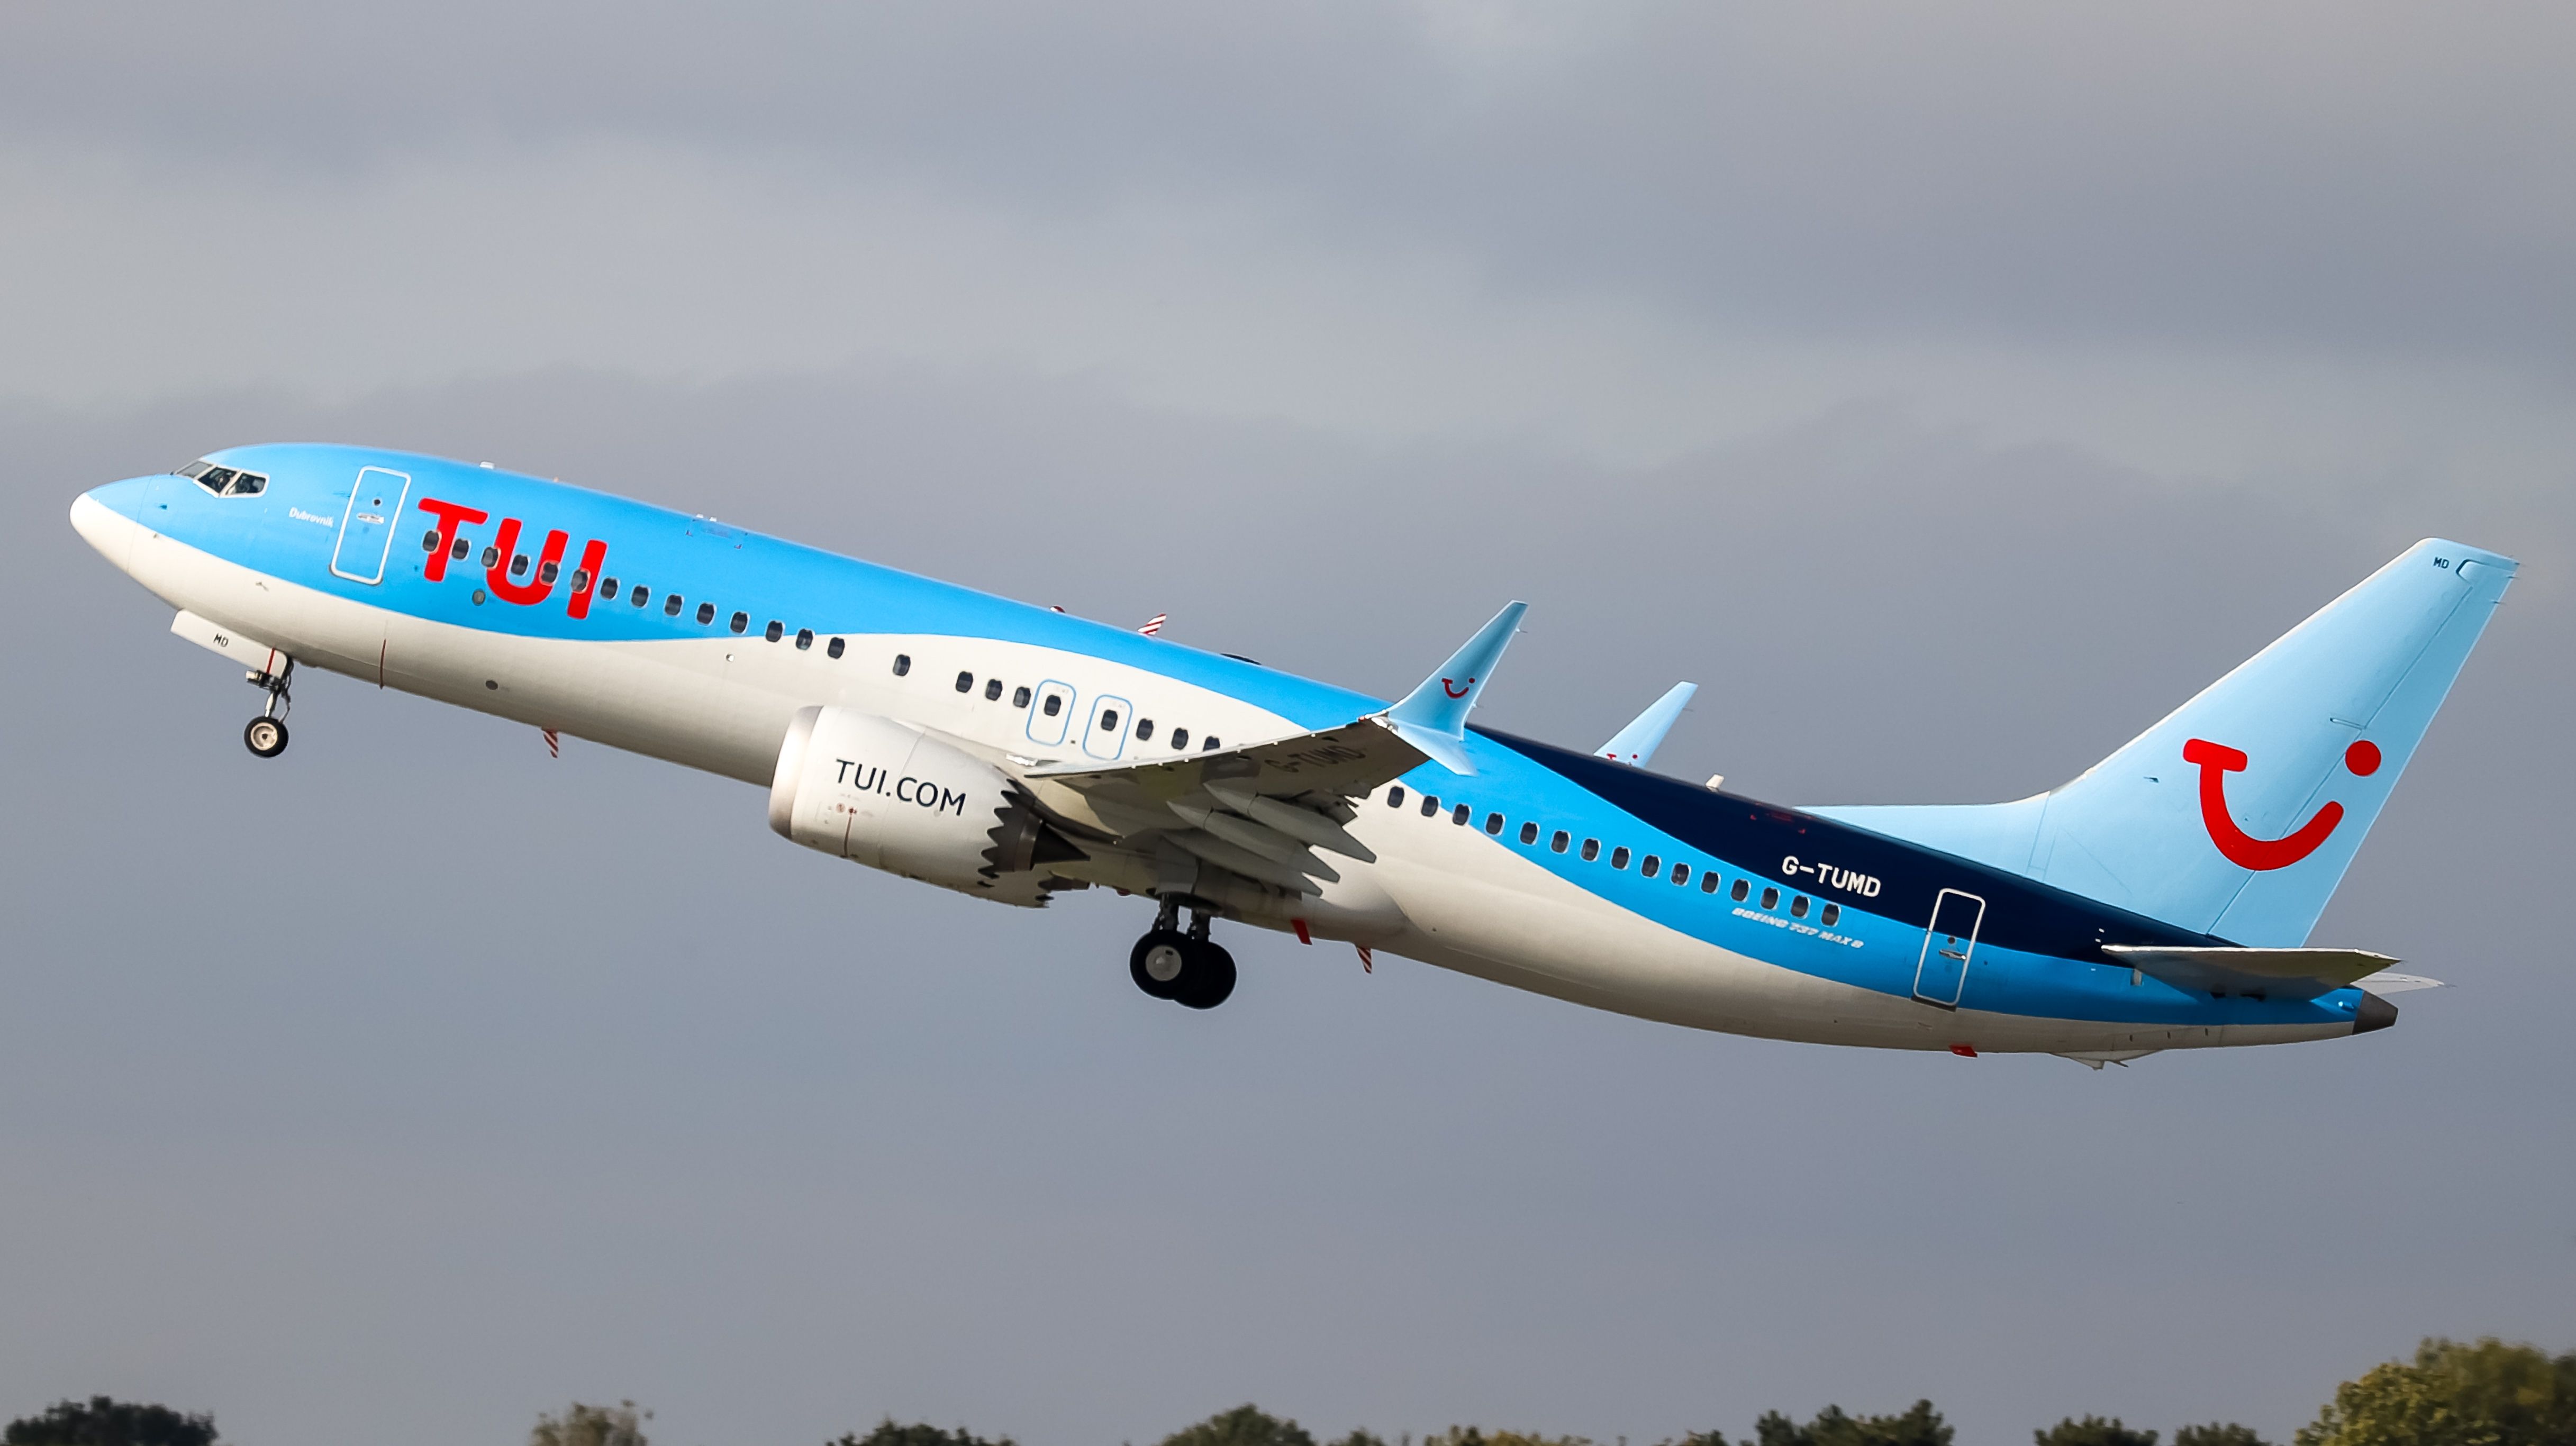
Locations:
(265, 736)
(1207, 978)
(1159, 962)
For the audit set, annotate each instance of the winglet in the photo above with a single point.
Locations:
(1636, 743)
(1436, 712)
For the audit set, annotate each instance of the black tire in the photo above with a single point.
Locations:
(265, 737)
(1139, 970)
(1208, 981)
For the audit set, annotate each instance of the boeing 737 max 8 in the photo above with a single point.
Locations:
(2161, 900)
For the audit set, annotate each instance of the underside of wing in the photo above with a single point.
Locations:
(1264, 814)
(2256, 973)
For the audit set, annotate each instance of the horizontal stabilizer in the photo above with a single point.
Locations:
(2262, 973)
(2385, 982)
(1636, 744)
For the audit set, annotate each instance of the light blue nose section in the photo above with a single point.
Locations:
(110, 518)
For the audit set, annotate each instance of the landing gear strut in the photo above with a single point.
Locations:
(266, 734)
(1185, 968)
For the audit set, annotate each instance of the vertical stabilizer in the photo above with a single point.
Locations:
(2238, 813)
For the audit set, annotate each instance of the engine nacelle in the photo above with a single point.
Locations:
(889, 796)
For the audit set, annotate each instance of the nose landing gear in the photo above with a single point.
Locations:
(1187, 969)
(265, 735)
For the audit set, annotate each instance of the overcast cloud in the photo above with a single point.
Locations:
(1948, 393)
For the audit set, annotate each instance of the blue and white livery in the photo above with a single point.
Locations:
(2162, 900)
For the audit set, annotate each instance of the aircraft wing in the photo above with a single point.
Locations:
(2267, 973)
(1261, 811)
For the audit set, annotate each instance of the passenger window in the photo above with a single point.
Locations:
(1054, 704)
(1180, 738)
(1208, 744)
(742, 621)
(902, 664)
(1652, 868)
(965, 682)
(1770, 898)
(1494, 824)
(1708, 882)
(1020, 699)
(1832, 915)
(458, 551)
(706, 613)
(1591, 849)
(1742, 888)
(1798, 907)
(774, 631)
(607, 585)
(491, 556)
(804, 640)
(1558, 843)
(992, 690)
(1529, 833)
(1458, 815)
(1619, 857)
(1395, 796)
(640, 596)
(1681, 873)
(546, 573)
(836, 647)
(1108, 720)
(1144, 730)
(519, 565)
(580, 580)
(1430, 805)
(429, 542)
(671, 606)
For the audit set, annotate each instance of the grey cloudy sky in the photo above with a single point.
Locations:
(1948, 393)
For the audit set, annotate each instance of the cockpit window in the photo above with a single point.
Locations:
(224, 481)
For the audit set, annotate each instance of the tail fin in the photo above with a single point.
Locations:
(2237, 815)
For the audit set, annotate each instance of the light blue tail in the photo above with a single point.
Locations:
(2237, 815)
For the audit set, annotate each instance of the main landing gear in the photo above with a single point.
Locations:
(265, 735)
(1184, 968)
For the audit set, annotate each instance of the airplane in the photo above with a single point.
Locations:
(2161, 900)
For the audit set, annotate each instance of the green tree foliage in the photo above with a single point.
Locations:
(580, 1425)
(103, 1422)
(888, 1433)
(1917, 1425)
(2487, 1394)
(2092, 1431)
(1473, 1436)
(1245, 1425)
(2218, 1434)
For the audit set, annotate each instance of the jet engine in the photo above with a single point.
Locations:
(887, 795)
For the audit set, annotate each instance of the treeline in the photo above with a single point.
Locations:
(2489, 1393)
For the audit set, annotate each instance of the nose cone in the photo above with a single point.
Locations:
(111, 517)
(2374, 1013)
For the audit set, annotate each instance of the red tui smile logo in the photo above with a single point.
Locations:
(2217, 760)
(1455, 690)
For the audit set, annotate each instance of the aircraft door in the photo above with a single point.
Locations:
(1050, 713)
(1943, 970)
(367, 527)
(1106, 734)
